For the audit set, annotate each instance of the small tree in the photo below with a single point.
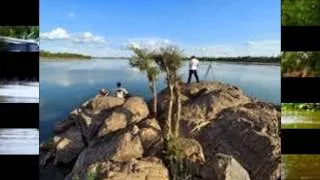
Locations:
(142, 59)
(170, 60)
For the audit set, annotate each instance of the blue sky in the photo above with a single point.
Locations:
(200, 27)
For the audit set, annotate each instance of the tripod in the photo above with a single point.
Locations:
(209, 68)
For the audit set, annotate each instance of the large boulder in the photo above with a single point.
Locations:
(189, 149)
(250, 134)
(100, 102)
(122, 147)
(151, 136)
(133, 111)
(223, 167)
(149, 168)
(68, 145)
(201, 102)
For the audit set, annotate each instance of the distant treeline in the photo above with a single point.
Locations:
(300, 106)
(245, 59)
(63, 55)
(23, 32)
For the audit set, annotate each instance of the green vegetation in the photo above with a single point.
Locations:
(23, 32)
(180, 168)
(47, 54)
(168, 60)
(300, 106)
(300, 12)
(91, 175)
(300, 64)
(144, 62)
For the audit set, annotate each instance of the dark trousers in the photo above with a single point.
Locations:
(195, 75)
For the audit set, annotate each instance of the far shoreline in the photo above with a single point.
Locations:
(93, 58)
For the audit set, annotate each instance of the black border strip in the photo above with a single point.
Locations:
(19, 166)
(19, 12)
(19, 115)
(300, 38)
(22, 65)
(300, 90)
(300, 141)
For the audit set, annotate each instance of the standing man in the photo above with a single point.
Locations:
(193, 66)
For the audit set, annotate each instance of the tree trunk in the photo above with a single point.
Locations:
(168, 128)
(153, 89)
(170, 110)
(155, 102)
(176, 126)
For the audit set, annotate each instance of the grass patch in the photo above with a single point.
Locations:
(176, 161)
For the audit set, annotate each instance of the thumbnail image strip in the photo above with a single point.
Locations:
(300, 115)
(300, 166)
(19, 92)
(300, 12)
(19, 38)
(300, 64)
(19, 141)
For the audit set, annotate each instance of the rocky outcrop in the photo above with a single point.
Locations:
(224, 135)
(202, 102)
(102, 102)
(249, 133)
(133, 111)
(145, 168)
(224, 167)
(151, 137)
(123, 147)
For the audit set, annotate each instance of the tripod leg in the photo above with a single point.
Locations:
(212, 73)
(205, 77)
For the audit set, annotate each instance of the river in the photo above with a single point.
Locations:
(66, 84)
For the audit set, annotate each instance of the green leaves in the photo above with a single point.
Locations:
(170, 57)
(143, 60)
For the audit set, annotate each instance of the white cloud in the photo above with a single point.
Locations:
(61, 34)
(249, 48)
(71, 14)
(90, 44)
(88, 37)
(56, 34)
(150, 43)
(250, 43)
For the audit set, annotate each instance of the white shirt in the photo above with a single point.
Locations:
(194, 64)
(121, 92)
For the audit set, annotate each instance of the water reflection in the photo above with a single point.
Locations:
(19, 141)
